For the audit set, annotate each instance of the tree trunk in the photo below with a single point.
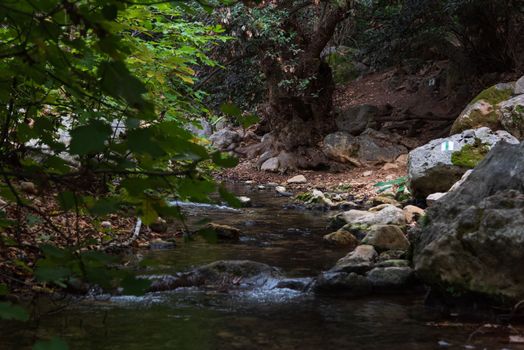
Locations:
(300, 114)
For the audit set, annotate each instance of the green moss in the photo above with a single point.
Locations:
(356, 228)
(342, 66)
(343, 188)
(304, 197)
(470, 155)
(494, 95)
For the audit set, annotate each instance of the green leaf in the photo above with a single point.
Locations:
(105, 206)
(247, 120)
(117, 81)
(3, 289)
(53, 274)
(231, 109)
(149, 214)
(208, 234)
(9, 311)
(67, 200)
(229, 197)
(53, 344)
(224, 160)
(110, 12)
(135, 286)
(33, 220)
(90, 138)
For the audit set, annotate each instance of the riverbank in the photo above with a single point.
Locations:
(359, 181)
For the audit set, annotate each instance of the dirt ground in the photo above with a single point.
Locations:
(361, 180)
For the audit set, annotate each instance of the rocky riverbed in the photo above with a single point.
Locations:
(280, 285)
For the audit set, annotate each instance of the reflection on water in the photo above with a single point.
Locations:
(283, 319)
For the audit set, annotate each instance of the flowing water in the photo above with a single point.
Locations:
(289, 239)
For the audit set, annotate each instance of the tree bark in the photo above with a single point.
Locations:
(299, 116)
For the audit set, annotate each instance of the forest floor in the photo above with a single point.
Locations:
(400, 91)
(361, 180)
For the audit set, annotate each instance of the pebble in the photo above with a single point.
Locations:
(159, 244)
(28, 187)
(107, 225)
(281, 190)
(245, 201)
(367, 173)
(444, 344)
(390, 166)
(299, 179)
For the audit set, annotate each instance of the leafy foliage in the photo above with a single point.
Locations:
(479, 34)
(98, 96)
(53, 344)
(9, 311)
(398, 186)
(102, 90)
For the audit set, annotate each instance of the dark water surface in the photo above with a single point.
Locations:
(266, 319)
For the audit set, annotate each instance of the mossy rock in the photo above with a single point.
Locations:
(470, 155)
(512, 116)
(495, 94)
(483, 110)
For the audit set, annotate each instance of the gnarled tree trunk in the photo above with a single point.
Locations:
(300, 115)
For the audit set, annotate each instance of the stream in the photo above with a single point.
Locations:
(289, 239)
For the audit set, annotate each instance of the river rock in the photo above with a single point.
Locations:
(434, 197)
(377, 147)
(271, 164)
(386, 237)
(412, 213)
(299, 179)
(473, 240)
(298, 284)
(223, 232)
(281, 190)
(340, 146)
(341, 237)
(28, 187)
(160, 244)
(221, 275)
(388, 215)
(356, 119)
(106, 225)
(342, 282)
(224, 138)
(464, 177)
(244, 201)
(371, 146)
(159, 226)
(382, 199)
(393, 263)
(483, 110)
(477, 115)
(402, 160)
(519, 86)
(390, 166)
(390, 277)
(392, 255)
(360, 260)
(430, 168)
(512, 116)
